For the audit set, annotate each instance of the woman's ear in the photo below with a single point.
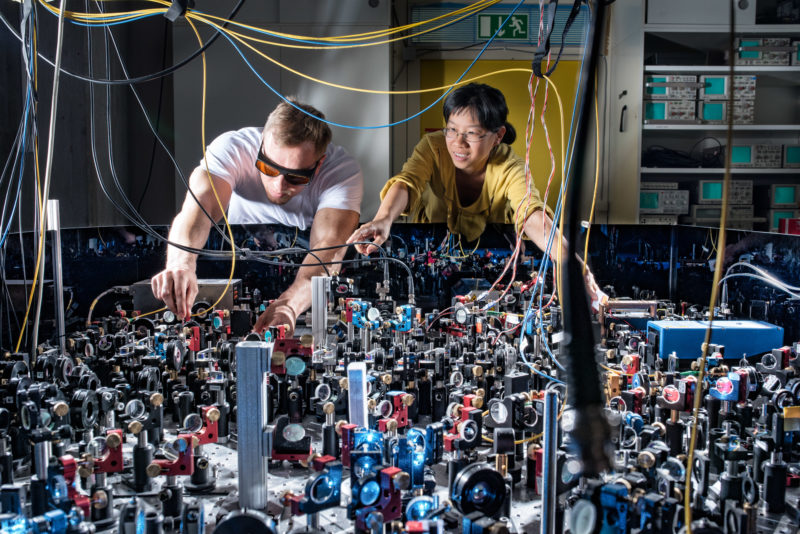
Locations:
(500, 134)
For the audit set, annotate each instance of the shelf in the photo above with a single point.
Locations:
(736, 170)
(720, 127)
(724, 69)
(761, 29)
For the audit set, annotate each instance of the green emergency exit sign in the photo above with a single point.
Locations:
(515, 28)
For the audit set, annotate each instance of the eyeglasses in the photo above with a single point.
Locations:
(471, 137)
(292, 176)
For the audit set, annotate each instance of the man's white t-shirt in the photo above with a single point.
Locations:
(232, 156)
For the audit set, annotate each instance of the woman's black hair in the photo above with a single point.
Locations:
(488, 104)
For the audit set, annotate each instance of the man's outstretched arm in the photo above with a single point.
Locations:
(176, 285)
(330, 227)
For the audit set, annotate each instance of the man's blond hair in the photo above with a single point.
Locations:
(291, 127)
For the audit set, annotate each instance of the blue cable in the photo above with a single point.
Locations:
(545, 264)
(546, 260)
(115, 23)
(323, 43)
(350, 127)
(21, 168)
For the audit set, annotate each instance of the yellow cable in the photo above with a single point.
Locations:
(464, 254)
(205, 18)
(42, 232)
(358, 89)
(610, 370)
(101, 18)
(559, 274)
(687, 497)
(211, 181)
(213, 189)
(596, 175)
(469, 10)
(240, 38)
(89, 17)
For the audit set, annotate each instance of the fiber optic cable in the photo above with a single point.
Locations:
(352, 127)
(322, 45)
(687, 497)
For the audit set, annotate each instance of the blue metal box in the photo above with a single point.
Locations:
(740, 338)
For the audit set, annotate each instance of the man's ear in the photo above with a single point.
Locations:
(319, 163)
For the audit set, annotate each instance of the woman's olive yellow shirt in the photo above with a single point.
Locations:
(430, 176)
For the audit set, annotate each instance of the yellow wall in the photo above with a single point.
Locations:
(514, 86)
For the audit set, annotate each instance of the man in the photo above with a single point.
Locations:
(288, 174)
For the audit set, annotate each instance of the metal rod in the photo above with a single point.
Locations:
(673, 261)
(42, 451)
(319, 309)
(48, 166)
(54, 224)
(252, 363)
(548, 522)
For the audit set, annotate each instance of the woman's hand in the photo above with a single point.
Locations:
(376, 231)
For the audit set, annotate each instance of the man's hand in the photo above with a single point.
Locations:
(278, 313)
(377, 230)
(177, 287)
(597, 296)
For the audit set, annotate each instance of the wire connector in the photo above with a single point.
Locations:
(178, 9)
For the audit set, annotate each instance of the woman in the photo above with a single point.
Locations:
(466, 175)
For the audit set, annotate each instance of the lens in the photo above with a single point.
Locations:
(294, 432)
(45, 419)
(572, 469)
(295, 366)
(769, 361)
(173, 449)
(725, 386)
(97, 447)
(193, 423)
(135, 409)
(323, 392)
(675, 468)
(266, 169)
(456, 379)
(418, 508)
(370, 493)
(321, 489)
(295, 179)
(363, 467)
(480, 494)
(25, 416)
(384, 409)
(499, 412)
(469, 429)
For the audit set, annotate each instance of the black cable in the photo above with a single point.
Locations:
(381, 257)
(146, 77)
(16, 149)
(344, 262)
(158, 138)
(158, 119)
(591, 433)
(93, 136)
(712, 160)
